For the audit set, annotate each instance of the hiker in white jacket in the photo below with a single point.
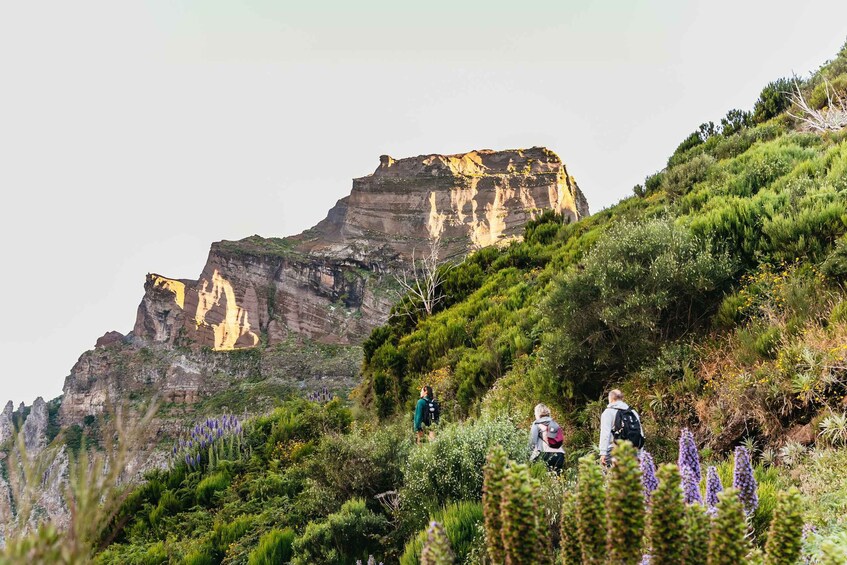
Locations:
(607, 422)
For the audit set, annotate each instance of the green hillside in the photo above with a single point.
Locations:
(714, 297)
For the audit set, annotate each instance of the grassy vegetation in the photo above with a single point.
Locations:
(714, 298)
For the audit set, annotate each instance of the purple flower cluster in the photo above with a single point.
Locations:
(809, 530)
(322, 396)
(688, 454)
(690, 486)
(203, 436)
(648, 474)
(646, 558)
(744, 481)
(713, 487)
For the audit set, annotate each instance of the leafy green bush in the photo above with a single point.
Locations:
(450, 468)
(231, 531)
(349, 534)
(774, 99)
(209, 486)
(460, 521)
(274, 547)
(642, 284)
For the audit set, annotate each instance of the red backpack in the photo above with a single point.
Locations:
(553, 435)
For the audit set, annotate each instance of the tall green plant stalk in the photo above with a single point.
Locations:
(591, 512)
(522, 543)
(624, 506)
(727, 542)
(697, 523)
(93, 494)
(437, 550)
(494, 473)
(667, 518)
(571, 553)
(785, 536)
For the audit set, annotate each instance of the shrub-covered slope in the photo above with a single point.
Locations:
(714, 297)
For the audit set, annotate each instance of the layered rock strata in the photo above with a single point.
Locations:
(330, 285)
(325, 283)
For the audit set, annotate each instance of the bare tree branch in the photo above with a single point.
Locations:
(831, 117)
(420, 284)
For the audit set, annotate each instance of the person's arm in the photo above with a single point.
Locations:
(533, 437)
(606, 421)
(419, 415)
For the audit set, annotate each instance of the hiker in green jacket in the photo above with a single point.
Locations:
(427, 413)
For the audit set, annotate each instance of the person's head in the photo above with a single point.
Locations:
(615, 395)
(541, 410)
(426, 391)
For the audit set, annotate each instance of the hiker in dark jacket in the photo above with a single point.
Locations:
(421, 416)
(545, 431)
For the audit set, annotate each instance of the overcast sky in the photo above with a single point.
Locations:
(135, 133)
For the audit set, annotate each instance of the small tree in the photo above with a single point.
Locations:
(420, 284)
(831, 117)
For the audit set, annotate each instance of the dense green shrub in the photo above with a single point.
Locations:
(351, 533)
(460, 521)
(226, 533)
(209, 486)
(274, 547)
(450, 468)
(774, 99)
(642, 284)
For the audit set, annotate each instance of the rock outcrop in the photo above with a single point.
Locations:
(7, 427)
(328, 283)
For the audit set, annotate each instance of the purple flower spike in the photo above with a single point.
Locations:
(648, 474)
(688, 455)
(713, 487)
(690, 487)
(744, 480)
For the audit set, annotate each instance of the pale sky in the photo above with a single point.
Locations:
(135, 133)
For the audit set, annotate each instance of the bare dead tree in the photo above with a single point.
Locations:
(420, 284)
(831, 117)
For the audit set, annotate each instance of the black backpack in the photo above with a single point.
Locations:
(627, 427)
(432, 412)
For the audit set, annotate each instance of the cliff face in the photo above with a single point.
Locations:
(328, 283)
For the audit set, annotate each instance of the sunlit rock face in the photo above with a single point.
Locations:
(329, 282)
(330, 285)
(469, 200)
